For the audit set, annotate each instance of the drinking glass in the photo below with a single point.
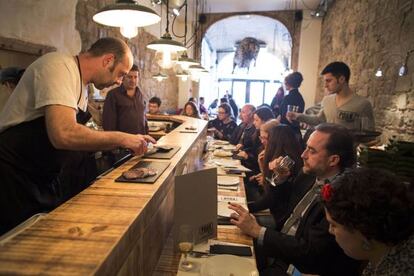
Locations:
(292, 108)
(284, 166)
(185, 244)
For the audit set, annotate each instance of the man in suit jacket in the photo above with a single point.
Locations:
(304, 242)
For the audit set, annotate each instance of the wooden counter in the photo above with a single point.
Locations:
(109, 228)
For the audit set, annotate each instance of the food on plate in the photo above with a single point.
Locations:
(139, 173)
(222, 153)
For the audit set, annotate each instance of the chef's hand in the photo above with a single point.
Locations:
(292, 116)
(244, 220)
(137, 143)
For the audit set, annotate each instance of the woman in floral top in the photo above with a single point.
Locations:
(371, 214)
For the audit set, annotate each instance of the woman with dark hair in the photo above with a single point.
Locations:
(191, 110)
(293, 98)
(260, 116)
(281, 142)
(223, 126)
(371, 215)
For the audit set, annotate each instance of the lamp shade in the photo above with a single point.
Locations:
(160, 77)
(126, 13)
(186, 62)
(166, 43)
(196, 68)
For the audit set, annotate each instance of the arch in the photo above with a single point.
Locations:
(287, 18)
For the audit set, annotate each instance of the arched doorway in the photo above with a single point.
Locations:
(258, 83)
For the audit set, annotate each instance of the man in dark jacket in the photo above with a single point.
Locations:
(304, 243)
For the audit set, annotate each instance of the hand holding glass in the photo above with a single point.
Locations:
(186, 243)
(281, 171)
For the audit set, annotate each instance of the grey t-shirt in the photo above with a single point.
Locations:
(348, 115)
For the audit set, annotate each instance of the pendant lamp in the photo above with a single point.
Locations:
(166, 44)
(160, 77)
(185, 62)
(183, 75)
(128, 15)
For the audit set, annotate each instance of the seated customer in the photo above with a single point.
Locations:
(244, 132)
(281, 142)
(304, 243)
(223, 126)
(252, 147)
(154, 106)
(371, 215)
(190, 110)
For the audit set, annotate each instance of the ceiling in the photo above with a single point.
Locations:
(219, 6)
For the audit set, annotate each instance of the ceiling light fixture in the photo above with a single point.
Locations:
(185, 62)
(321, 10)
(128, 15)
(166, 44)
(160, 77)
(183, 75)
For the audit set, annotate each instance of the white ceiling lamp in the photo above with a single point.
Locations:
(183, 75)
(185, 62)
(166, 44)
(196, 68)
(160, 77)
(128, 15)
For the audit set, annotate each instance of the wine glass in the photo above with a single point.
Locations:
(282, 169)
(185, 244)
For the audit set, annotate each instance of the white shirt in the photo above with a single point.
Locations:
(53, 79)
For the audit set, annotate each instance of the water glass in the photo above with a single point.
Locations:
(284, 166)
(186, 244)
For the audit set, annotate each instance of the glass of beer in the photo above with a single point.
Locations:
(281, 170)
(186, 244)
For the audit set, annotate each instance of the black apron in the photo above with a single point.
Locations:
(29, 172)
(36, 177)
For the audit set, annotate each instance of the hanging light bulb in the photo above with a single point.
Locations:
(378, 74)
(129, 31)
(126, 14)
(402, 71)
(160, 77)
(183, 75)
(185, 62)
(176, 12)
(166, 43)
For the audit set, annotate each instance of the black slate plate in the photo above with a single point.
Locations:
(163, 155)
(160, 167)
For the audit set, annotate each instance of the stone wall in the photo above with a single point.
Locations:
(367, 34)
(89, 31)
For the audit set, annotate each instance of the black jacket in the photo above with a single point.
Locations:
(313, 249)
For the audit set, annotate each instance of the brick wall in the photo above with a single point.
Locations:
(367, 34)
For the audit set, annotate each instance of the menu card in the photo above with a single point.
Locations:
(196, 204)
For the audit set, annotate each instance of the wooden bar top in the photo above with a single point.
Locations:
(109, 228)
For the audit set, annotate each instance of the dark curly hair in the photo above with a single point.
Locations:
(374, 202)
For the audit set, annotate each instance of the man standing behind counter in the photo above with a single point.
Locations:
(124, 108)
(38, 127)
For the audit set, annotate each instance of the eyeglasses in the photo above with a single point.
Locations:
(222, 113)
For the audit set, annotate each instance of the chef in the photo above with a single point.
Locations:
(38, 128)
